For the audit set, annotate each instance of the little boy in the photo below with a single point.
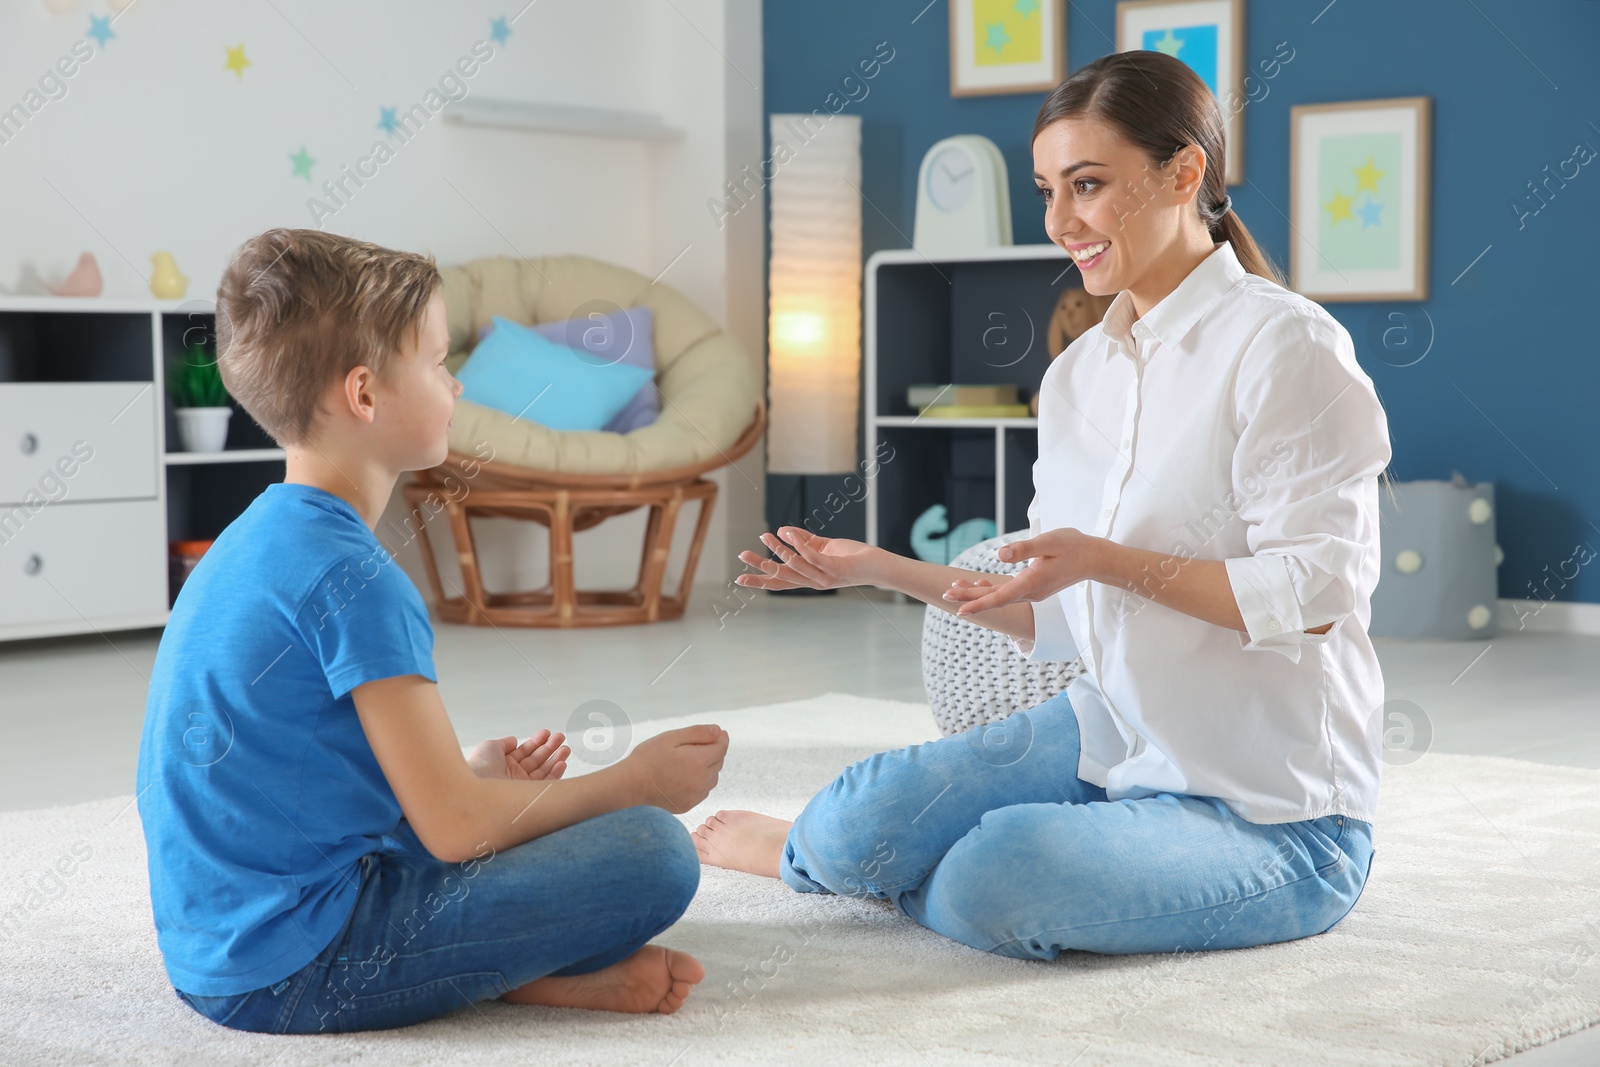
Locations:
(322, 857)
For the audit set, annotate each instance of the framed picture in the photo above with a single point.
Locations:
(1208, 35)
(1006, 46)
(1359, 175)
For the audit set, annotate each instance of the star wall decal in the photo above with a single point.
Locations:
(100, 29)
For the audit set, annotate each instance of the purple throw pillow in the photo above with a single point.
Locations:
(623, 336)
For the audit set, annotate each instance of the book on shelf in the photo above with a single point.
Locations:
(975, 411)
(920, 396)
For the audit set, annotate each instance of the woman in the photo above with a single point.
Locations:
(1204, 534)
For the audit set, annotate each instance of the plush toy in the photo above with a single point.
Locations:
(1438, 580)
(1077, 311)
(933, 540)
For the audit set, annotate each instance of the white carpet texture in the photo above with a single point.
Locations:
(1475, 938)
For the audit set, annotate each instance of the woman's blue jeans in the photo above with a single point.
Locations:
(427, 937)
(990, 838)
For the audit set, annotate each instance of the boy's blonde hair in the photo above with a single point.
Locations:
(299, 308)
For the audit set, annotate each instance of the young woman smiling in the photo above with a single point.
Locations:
(1204, 535)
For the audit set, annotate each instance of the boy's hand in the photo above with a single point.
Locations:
(678, 769)
(540, 757)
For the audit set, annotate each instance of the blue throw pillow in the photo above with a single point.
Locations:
(524, 374)
(623, 336)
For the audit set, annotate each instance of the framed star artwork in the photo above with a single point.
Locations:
(1359, 181)
(1006, 46)
(1208, 35)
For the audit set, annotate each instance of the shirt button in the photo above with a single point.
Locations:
(1272, 624)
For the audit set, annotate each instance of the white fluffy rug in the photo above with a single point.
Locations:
(1475, 938)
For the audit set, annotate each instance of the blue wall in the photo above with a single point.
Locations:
(1508, 392)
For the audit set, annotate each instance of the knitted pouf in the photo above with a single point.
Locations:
(972, 674)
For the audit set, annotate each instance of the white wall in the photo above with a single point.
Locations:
(155, 146)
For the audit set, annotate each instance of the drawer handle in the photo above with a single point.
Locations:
(30, 444)
(34, 564)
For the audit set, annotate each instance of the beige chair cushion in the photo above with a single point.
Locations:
(708, 385)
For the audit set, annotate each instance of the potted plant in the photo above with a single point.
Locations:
(201, 400)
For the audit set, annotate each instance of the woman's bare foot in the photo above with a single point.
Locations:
(742, 841)
(654, 979)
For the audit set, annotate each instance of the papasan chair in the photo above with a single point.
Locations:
(711, 414)
(974, 675)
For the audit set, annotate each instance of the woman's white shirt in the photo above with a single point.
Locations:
(1232, 422)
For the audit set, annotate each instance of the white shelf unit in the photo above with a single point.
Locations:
(972, 318)
(90, 496)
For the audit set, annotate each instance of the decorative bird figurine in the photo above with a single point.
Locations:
(165, 281)
(84, 279)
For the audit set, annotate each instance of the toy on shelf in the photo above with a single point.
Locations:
(931, 542)
(1077, 312)
(166, 283)
(84, 280)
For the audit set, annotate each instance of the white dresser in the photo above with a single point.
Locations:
(90, 494)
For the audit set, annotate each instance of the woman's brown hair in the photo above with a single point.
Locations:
(1158, 104)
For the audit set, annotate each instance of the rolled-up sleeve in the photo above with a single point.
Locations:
(1313, 439)
(1052, 635)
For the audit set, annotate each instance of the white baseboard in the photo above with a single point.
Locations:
(1548, 616)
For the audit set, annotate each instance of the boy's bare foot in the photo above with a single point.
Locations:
(654, 979)
(742, 841)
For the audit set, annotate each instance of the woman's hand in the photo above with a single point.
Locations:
(540, 757)
(806, 561)
(1061, 558)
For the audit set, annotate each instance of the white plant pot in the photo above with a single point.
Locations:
(203, 429)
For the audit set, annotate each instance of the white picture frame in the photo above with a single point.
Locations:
(1214, 31)
(978, 69)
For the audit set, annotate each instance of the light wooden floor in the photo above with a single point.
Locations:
(73, 707)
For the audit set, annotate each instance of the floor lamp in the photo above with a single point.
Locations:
(814, 297)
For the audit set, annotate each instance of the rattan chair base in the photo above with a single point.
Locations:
(567, 503)
(561, 604)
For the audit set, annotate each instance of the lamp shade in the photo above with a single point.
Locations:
(814, 302)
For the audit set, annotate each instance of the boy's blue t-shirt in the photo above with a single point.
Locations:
(257, 788)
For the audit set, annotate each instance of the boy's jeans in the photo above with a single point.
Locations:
(990, 838)
(427, 938)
